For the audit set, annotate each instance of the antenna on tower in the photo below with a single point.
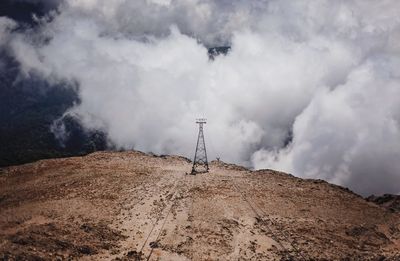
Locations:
(200, 163)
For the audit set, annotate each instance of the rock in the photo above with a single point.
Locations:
(388, 201)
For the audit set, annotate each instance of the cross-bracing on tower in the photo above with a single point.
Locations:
(200, 163)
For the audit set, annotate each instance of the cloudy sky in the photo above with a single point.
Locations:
(308, 87)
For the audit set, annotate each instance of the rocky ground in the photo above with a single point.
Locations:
(388, 201)
(134, 206)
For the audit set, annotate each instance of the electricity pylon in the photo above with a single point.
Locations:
(200, 163)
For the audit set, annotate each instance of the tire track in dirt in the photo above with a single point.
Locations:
(173, 239)
(279, 236)
(221, 227)
(155, 244)
(140, 212)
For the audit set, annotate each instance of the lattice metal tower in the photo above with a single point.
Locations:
(200, 163)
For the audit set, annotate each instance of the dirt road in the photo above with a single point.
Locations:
(134, 206)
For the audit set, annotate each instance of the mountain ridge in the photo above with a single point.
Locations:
(134, 206)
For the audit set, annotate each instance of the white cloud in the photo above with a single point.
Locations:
(6, 26)
(326, 73)
(349, 135)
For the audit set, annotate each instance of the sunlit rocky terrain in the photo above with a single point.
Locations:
(136, 206)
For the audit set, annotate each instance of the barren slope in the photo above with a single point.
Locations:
(130, 205)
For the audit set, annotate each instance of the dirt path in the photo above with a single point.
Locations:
(133, 206)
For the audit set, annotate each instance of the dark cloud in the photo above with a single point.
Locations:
(23, 11)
